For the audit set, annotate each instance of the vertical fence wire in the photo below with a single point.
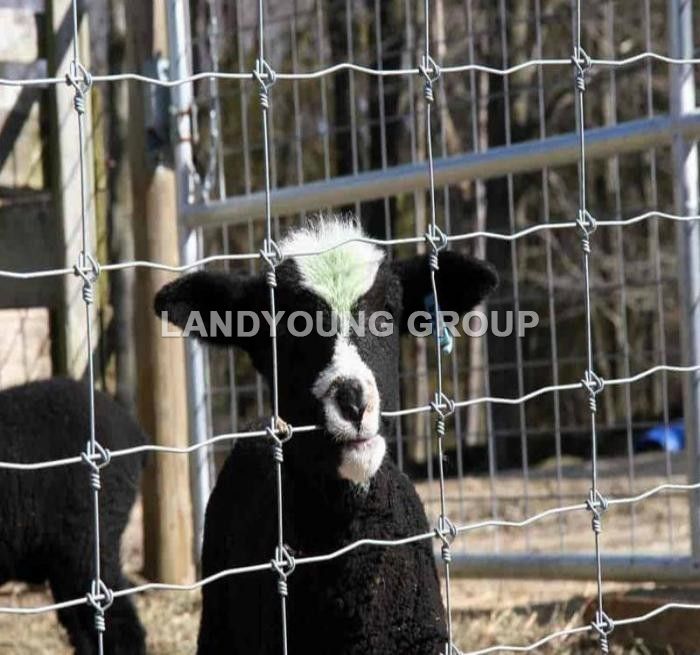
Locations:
(321, 46)
(459, 435)
(214, 178)
(350, 44)
(549, 267)
(379, 54)
(296, 105)
(655, 239)
(296, 102)
(522, 423)
(207, 463)
(593, 384)
(622, 333)
(480, 196)
(217, 168)
(243, 90)
(442, 406)
(407, 60)
(282, 563)
(259, 382)
(87, 268)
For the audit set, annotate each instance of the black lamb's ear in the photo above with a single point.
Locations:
(206, 293)
(462, 283)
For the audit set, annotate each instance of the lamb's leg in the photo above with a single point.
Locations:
(215, 628)
(78, 621)
(124, 633)
(213, 631)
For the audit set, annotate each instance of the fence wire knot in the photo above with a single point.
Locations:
(596, 503)
(582, 63)
(446, 532)
(278, 453)
(604, 626)
(272, 256)
(81, 81)
(100, 597)
(431, 72)
(96, 459)
(594, 384)
(266, 77)
(89, 270)
(279, 427)
(281, 431)
(587, 226)
(437, 240)
(442, 405)
(284, 565)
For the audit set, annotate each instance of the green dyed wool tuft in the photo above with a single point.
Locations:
(338, 276)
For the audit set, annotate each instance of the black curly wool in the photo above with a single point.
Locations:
(46, 517)
(371, 600)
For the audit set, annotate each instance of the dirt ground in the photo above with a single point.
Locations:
(659, 525)
(487, 612)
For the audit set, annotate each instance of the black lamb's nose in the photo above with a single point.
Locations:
(351, 401)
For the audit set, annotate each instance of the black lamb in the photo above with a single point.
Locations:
(46, 516)
(338, 486)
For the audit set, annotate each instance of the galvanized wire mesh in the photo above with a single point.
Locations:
(430, 74)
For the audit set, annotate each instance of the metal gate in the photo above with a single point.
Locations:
(507, 161)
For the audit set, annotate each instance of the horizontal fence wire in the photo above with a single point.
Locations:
(267, 77)
(384, 543)
(251, 256)
(569, 632)
(246, 434)
(348, 66)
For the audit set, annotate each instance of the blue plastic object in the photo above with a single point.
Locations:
(671, 439)
(446, 339)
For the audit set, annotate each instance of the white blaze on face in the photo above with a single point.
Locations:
(364, 447)
(341, 276)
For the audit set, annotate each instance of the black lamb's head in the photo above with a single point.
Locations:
(339, 315)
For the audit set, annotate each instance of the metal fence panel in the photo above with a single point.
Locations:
(502, 403)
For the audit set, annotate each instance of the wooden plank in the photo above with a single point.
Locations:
(20, 35)
(676, 631)
(20, 70)
(21, 140)
(28, 242)
(34, 6)
(25, 345)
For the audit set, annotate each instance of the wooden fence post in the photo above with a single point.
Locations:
(162, 396)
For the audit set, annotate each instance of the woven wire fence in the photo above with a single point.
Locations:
(633, 282)
(437, 236)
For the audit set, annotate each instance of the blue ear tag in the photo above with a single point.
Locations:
(446, 338)
(446, 341)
